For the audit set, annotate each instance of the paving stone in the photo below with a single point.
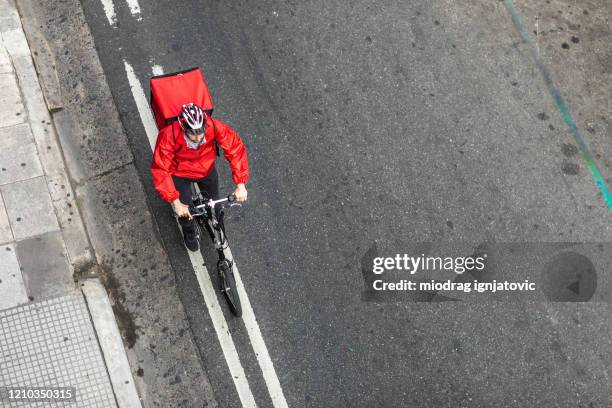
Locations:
(9, 23)
(6, 235)
(29, 207)
(15, 41)
(15, 135)
(18, 156)
(53, 344)
(7, 10)
(18, 163)
(45, 269)
(71, 224)
(40, 120)
(5, 62)
(12, 111)
(12, 289)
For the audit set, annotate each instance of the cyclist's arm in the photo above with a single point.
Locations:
(160, 168)
(234, 151)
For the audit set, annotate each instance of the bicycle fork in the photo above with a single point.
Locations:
(218, 237)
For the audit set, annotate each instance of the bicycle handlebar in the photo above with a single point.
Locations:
(211, 203)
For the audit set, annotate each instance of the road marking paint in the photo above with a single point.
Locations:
(220, 325)
(210, 295)
(561, 106)
(142, 104)
(109, 10)
(259, 346)
(134, 9)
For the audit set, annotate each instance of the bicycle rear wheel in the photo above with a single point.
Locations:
(228, 286)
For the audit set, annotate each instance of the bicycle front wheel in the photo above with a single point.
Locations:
(228, 286)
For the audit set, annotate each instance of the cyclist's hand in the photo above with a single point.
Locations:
(240, 192)
(181, 209)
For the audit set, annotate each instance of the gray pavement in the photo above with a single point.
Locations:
(50, 331)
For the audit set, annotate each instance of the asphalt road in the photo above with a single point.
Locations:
(388, 122)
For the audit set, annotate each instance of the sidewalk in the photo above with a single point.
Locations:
(38, 213)
(52, 333)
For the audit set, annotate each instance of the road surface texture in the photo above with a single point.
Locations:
(388, 122)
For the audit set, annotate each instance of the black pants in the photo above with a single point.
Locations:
(209, 186)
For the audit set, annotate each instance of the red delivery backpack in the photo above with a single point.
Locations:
(170, 91)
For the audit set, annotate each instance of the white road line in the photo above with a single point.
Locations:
(109, 10)
(142, 104)
(206, 286)
(259, 346)
(220, 325)
(134, 8)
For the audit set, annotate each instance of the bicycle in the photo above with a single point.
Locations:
(205, 214)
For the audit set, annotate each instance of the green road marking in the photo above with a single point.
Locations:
(562, 106)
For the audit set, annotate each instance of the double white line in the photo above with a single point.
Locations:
(209, 293)
(109, 10)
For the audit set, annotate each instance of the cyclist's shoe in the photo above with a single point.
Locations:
(191, 240)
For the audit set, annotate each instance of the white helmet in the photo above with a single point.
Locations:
(192, 119)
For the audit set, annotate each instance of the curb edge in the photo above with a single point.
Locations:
(106, 328)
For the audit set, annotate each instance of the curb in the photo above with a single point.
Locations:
(111, 344)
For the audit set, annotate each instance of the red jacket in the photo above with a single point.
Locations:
(172, 156)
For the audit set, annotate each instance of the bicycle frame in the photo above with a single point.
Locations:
(206, 216)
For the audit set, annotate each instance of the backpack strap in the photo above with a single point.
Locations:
(176, 149)
(216, 144)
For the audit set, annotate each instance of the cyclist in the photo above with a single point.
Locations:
(185, 152)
